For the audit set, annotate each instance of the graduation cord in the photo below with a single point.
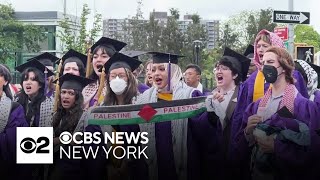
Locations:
(169, 74)
(45, 81)
(57, 92)
(88, 63)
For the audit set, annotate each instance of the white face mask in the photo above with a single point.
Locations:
(118, 85)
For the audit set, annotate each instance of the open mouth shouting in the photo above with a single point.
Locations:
(28, 88)
(219, 78)
(66, 103)
(158, 81)
(99, 66)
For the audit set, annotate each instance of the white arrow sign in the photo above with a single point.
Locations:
(292, 17)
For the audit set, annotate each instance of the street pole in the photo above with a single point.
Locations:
(291, 33)
(197, 46)
(197, 54)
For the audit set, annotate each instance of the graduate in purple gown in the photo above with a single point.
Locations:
(179, 149)
(274, 131)
(255, 86)
(101, 51)
(11, 117)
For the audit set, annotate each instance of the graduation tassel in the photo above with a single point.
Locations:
(101, 86)
(88, 68)
(169, 75)
(57, 91)
(45, 81)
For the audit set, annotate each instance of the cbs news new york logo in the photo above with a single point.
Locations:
(34, 145)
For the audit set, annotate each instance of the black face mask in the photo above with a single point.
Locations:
(270, 73)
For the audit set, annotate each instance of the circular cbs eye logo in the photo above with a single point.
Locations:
(28, 145)
(65, 137)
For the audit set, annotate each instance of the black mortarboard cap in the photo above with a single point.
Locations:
(111, 43)
(134, 54)
(34, 64)
(76, 54)
(46, 59)
(159, 57)
(317, 69)
(249, 50)
(242, 61)
(70, 81)
(119, 60)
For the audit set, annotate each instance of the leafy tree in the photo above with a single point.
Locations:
(153, 34)
(258, 21)
(195, 31)
(135, 29)
(73, 39)
(172, 38)
(306, 34)
(241, 29)
(16, 37)
(174, 13)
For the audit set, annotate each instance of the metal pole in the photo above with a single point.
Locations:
(291, 32)
(197, 56)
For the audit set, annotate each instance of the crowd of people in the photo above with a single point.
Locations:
(262, 119)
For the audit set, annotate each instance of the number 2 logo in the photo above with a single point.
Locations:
(29, 145)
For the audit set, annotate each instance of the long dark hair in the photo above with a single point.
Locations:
(5, 73)
(106, 50)
(22, 97)
(130, 92)
(72, 116)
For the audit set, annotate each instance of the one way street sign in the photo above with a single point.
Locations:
(291, 17)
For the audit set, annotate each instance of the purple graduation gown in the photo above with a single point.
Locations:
(142, 87)
(203, 142)
(314, 154)
(50, 93)
(286, 153)
(8, 144)
(245, 97)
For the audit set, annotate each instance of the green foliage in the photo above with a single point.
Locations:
(172, 38)
(77, 40)
(306, 34)
(16, 36)
(153, 34)
(241, 29)
(174, 13)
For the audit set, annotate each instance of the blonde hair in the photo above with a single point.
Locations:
(176, 74)
(264, 38)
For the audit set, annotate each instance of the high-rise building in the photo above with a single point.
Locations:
(114, 27)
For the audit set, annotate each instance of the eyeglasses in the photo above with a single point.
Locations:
(221, 68)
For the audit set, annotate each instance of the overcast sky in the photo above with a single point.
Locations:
(207, 9)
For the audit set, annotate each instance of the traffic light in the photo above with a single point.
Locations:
(305, 53)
